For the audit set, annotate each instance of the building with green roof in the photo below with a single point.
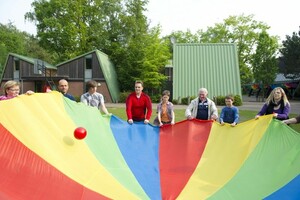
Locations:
(93, 65)
(33, 74)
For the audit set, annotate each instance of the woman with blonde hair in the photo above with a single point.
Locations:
(11, 90)
(276, 104)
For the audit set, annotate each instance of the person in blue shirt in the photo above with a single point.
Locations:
(63, 87)
(230, 113)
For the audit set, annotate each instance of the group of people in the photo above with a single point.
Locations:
(204, 108)
(90, 98)
(138, 108)
(139, 105)
(11, 89)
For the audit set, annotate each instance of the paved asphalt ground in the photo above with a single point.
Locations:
(249, 103)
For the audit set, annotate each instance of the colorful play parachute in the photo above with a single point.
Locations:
(41, 159)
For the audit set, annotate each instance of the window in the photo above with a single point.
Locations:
(17, 65)
(88, 62)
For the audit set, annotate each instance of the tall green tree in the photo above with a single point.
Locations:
(143, 54)
(242, 30)
(157, 54)
(119, 28)
(61, 25)
(69, 28)
(264, 62)
(135, 33)
(290, 52)
(13, 39)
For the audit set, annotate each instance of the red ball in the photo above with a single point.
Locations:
(80, 133)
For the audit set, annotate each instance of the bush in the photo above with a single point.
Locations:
(175, 101)
(237, 100)
(77, 98)
(155, 98)
(220, 100)
(185, 100)
(192, 97)
(123, 96)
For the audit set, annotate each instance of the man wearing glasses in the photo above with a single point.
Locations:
(202, 107)
(138, 105)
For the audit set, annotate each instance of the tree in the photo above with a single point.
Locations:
(291, 56)
(119, 28)
(13, 40)
(242, 30)
(3, 56)
(157, 54)
(185, 37)
(264, 62)
(182, 37)
(34, 50)
(62, 25)
(141, 53)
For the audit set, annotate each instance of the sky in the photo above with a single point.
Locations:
(183, 15)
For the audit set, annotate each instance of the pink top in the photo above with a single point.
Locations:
(3, 97)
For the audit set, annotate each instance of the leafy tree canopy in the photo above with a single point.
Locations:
(290, 52)
(69, 28)
(264, 62)
(14, 41)
(242, 30)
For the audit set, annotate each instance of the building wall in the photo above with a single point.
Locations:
(76, 88)
(213, 66)
(73, 71)
(26, 70)
(103, 89)
(77, 80)
(27, 85)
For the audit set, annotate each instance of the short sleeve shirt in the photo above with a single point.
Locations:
(95, 100)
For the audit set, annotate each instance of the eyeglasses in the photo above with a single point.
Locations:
(14, 90)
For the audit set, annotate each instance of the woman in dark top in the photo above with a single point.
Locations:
(276, 104)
